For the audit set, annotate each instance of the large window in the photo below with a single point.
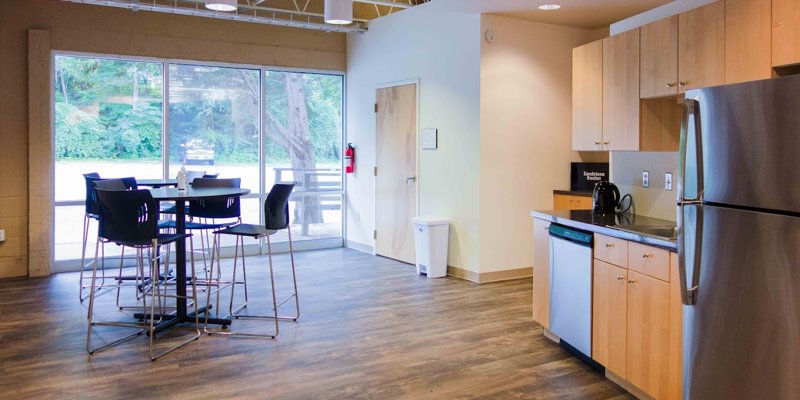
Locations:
(261, 125)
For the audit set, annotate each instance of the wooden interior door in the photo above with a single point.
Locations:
(395, 175)
(648, 334)
(609, 316)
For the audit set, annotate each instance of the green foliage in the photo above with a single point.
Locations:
(112, 109)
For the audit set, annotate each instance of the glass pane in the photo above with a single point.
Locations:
(108, 119)
(214, 121)
(304, 145)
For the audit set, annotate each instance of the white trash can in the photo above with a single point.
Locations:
(431, 236)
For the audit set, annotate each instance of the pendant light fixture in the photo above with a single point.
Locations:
(339, 12)
(222, 5)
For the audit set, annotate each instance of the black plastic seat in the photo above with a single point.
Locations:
(129, 218)
(276, 214)
(92, 210)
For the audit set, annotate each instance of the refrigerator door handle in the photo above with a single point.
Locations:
(689, 292)
(692, 109)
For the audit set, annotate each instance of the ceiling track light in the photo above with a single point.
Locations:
(549, 7)
(339, 12)
(222, 5)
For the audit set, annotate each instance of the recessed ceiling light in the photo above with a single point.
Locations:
(548, 7)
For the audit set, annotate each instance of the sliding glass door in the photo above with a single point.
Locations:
(261, 125)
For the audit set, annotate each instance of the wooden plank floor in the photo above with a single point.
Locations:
(370, 329)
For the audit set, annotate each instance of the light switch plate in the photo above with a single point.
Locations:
(645, 179)
(2, 235)
(668, 181)
(430, 139)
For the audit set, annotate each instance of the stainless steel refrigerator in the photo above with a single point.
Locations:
(739, 241)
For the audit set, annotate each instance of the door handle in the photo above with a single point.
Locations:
(692, 109)
(411, 179)
(689, 289)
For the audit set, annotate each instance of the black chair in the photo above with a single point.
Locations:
(91, 213)
(129, 218)
(276, 214)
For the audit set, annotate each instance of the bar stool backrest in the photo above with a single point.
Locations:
(129, 216)
(276, 207)
(117, 184)
(92, 207)
(223, 207)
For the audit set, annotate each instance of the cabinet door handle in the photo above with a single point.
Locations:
(609, 245)
(670, 84)
(597, 143)
(631, 280)
(647, 255)
(620, 278)
(682, 83)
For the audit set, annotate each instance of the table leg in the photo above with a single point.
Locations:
(180, 258)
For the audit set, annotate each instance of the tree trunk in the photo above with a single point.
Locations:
(301, 152)
(63, 85)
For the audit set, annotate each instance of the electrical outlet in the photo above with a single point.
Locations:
(2, 235)
(668, 181)
(645, 179)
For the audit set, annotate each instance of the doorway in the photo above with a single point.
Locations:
(396, 171)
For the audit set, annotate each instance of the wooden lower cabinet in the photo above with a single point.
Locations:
(648, 334)
(569, 202)
(541, 272)
(609, 316)
(637, 319)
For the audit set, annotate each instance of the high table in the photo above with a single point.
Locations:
(180, 197)
(157, 183)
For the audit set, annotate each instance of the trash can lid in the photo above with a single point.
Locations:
(430, 221)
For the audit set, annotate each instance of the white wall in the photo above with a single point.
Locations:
(526, 132)
(442, 49)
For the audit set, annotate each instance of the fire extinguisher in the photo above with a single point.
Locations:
(349, 159)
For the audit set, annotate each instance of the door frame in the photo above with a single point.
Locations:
(413, 81)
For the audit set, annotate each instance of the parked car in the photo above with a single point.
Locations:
(197, 151)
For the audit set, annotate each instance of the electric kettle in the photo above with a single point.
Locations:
(605, 198)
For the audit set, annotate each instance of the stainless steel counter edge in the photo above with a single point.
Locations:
(633, 237)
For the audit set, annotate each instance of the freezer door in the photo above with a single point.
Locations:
(742, 336)
(750, 143)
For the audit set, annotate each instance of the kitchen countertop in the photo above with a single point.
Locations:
(598, 223)
(574, 192)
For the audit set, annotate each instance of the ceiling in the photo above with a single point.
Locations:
(587, 14)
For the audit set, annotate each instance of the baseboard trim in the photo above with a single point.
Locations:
(364, 248)
(486, 277)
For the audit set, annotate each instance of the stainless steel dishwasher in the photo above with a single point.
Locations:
(571, 287)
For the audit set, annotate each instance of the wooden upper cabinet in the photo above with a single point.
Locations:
(587, 96)
(621, 91)
(659, 58)
(701, 47)
(541, 272)
(748, 35)
(785, 32)
(648, 334)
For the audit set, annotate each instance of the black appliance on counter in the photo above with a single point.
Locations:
(605, 197)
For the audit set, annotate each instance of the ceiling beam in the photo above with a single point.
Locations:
(387, 3)
(266, 17)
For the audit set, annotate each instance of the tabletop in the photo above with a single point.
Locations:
(171, 193)
(157, 182)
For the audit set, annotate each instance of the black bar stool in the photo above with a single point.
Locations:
(129, 218)
(276, 215)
